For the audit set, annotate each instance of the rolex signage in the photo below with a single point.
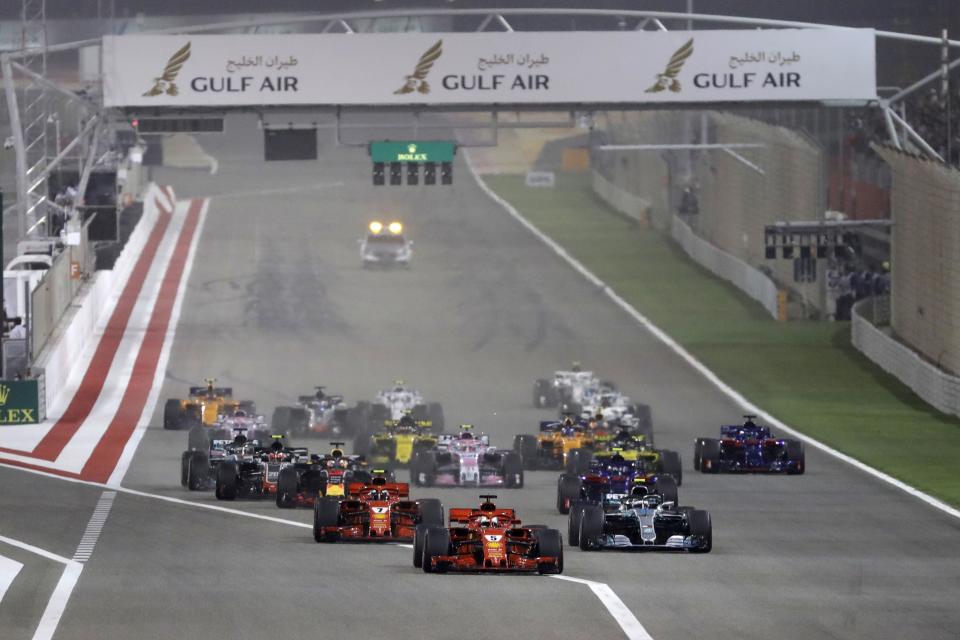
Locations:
(638, 67)
(19, 402)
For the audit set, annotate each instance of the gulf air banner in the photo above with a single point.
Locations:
(486, 68)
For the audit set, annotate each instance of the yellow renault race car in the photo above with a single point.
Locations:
(551, 448)
(399, 442)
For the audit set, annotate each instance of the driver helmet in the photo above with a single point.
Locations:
(240, 439)
(576, 367)
(466, 435)
(239, 413)
(277, 446)
(567, 421)
(483, 521)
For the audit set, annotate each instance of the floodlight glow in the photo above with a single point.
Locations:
(376, 227)
(395, 227)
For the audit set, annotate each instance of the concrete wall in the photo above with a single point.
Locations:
(630, 205)
(64, 352)
(925, 273)
(736, 200)
(929, 382)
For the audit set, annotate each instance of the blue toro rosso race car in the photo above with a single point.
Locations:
(749, 448)
(612, 478)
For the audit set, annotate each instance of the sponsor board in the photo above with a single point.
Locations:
(19, 402)
(777, 65)
(540, 179)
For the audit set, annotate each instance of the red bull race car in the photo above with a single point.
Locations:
(487, 539)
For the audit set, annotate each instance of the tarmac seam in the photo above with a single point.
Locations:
(698, 366)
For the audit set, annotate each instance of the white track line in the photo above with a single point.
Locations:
(95, 526)
(58, 602)
(61, 593)
(623, 616)
(620, 612)
(9, 568)
(711, 377)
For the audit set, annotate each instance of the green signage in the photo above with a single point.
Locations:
(412, 151)
(19, 402)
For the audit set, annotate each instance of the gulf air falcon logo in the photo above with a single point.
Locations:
(165, 83)
(417, 81)
(668, 79)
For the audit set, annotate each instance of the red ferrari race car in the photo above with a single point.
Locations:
(378, 511)
(487, 539)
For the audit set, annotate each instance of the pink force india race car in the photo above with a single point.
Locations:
(467, 459)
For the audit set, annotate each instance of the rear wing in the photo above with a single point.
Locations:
(398, 489)
(463, 516)
(549, 425)
(419, 423)
(219, 391)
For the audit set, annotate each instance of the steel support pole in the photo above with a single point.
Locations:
(891, 128)
(915, 136)
(91, 123)
(19, 151)
(88, 165)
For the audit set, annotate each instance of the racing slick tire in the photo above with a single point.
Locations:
(419, 537)
(568, 490)
(361, 475)
(437, 543)
(573, 524)
(550, 543)
(527, 447)
(280, 420)
(361, 443)
(422, 468)
(644, 417)
(697, 453)
(378, 414)
(710, 456)
(591, 527)
(435, 416)
(513, 470)
(197, 469)
(172, 414)
(357, 417)
(578, 461)
(287, 483)
(185, 468)
(431, 511)
(796, 456)
(198, 439)
(326, 513)
(667, 488)
(544, 395)
(702, 526)
(226, 487)
(262, 436)
(670, 461)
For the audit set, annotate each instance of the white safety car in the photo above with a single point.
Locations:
(385, 246)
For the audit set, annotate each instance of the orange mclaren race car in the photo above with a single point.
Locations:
(378, 511)
(487, 539)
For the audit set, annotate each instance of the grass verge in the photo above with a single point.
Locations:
(805, 373)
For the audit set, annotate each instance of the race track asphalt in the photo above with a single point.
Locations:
(277, 302)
